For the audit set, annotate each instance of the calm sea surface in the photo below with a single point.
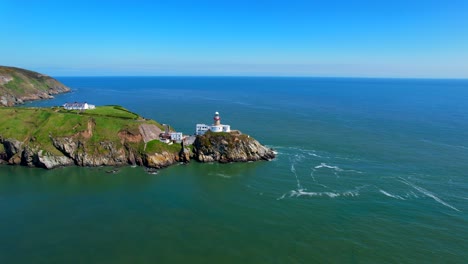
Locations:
(368, 171)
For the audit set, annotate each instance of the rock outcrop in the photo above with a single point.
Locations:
(229, 147)
(18, 86)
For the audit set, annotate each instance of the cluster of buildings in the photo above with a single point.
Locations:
(200, 129)
(167, 136)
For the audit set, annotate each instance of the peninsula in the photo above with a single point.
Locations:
(86, 135)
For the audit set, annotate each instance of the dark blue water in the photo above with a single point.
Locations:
(369, 170)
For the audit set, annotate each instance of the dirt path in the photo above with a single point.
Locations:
(149, 132)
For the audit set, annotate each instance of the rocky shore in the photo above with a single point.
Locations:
(75, 150)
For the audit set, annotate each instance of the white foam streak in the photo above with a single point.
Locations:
(282, 197)
(223, 175)
(324, 165)
(302, 192)
(391, 195)
(335, 168)
(428, 194)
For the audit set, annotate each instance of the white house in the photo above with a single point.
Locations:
(201, 129)
(176, 136)
(78, 106)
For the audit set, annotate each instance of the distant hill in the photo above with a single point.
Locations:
(20, 85)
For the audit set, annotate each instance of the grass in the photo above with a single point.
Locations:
(106, 111)
(37, 125)
(23, 83)
(156, 146)
(16, 85)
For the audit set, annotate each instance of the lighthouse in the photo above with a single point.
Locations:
(216, 127)
(217, 119)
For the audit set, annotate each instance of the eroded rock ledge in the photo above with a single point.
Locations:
(229, 147)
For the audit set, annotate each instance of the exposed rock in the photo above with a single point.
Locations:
(161, 160)
(184, 155)
(12, 147)
(50, 161)
(230, 147)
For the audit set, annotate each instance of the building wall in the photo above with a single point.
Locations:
(201, 129)
(177, 136)
(216, 128)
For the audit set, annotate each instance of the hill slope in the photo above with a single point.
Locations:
(107, 135)
(20, 85)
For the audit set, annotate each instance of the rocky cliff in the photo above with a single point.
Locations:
(76, 150)
(229, 147)
(109, 136)
(19, 85)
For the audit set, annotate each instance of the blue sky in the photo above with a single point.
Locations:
(268, 38)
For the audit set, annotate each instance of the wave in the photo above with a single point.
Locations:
(281, 198)
(293, 170)
(302, 192)
(223, 175)
(309, 152)
(324, 165)
(428, 194)
(391, 195)
(335, 168)
(332, 194)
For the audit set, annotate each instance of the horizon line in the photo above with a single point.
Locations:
(261, 76)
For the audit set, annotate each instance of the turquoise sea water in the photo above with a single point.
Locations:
(369, 170)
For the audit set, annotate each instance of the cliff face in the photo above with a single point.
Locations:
(229, 147)
(77, 151)
(19, 85)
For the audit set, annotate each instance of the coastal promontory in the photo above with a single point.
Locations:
(19, 85)
(110, 136)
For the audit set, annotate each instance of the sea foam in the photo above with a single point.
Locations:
(428, 194)
(391, 195)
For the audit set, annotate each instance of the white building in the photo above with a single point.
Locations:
(176, 136)
(201, 129)
(78, 106)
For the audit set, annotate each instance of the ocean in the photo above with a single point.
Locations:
(368, 171)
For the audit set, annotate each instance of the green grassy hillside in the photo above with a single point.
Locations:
(37, 125)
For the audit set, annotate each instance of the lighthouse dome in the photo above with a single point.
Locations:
(216, 113)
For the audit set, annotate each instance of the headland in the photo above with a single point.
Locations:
(82, 134)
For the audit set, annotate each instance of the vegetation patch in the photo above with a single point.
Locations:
(39, 125)
(156, 146)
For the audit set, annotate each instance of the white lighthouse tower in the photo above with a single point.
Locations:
(217, 119)
(216, 127)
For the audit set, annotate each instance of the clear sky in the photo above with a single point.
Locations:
(410, 38)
